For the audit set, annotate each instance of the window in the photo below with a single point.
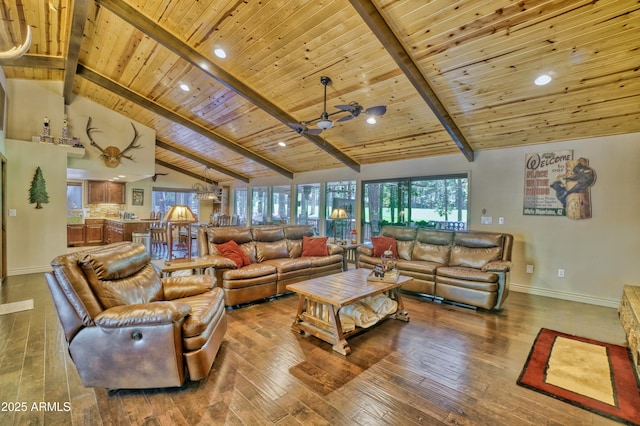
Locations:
(435, 202)
(340, 195)
(240, 205)
(74, 195)
(163, 198)
(280, 204)
(308, 205)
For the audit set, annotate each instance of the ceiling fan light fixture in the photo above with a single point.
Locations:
(325, 124)
(371, 120)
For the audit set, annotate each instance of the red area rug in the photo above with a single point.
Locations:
(557, 367)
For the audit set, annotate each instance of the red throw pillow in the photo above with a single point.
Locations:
(232, 250)
(314, 246)
(382, 244)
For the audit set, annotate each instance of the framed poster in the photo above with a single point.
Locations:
(138, 197)
(541, 174)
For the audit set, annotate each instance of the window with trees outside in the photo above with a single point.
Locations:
(308, 205)
(340, 195)
(430, 202)
(240, 205)
(163, 198)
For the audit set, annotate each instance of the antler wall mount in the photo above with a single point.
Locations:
(324, 123)
(111, 155)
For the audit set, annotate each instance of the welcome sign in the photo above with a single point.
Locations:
(543, 171)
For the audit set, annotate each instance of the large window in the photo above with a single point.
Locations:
(434, 202)
(308, 205)
(340, 195)
(281, 204)
(240, 205)
(163, 198)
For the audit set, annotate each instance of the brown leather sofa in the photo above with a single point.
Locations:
(276, 259)
(128, 328)
(468, 267)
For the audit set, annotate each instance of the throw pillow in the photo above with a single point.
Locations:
(232, 250)
(382, 244)
(314, 246)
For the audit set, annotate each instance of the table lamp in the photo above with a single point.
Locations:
(176, 217)
(338, 214)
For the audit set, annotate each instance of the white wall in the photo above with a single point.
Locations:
(597, 254)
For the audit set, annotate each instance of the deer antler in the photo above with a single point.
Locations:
(132, 145)
(93, 143)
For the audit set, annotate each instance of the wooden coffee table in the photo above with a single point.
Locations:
(320, 299)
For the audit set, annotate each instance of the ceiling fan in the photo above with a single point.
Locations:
(324, 123)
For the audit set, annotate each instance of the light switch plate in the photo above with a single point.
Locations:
(486, 220)
(12, 212)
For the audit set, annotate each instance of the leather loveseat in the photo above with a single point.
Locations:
(128, 328)
(275, 255)
(468, 267)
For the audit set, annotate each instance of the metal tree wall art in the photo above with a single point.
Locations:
(38, 191)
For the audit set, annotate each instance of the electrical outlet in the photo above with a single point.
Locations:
(529, 269)
(560, 273)
(501, 221)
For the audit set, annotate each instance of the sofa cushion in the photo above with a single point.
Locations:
(404, 249)
(271, 250)
(431, 253)
(473, 257)
(268, 233)
(232, 250)
(381, 244)
(467, 274)
(314, 246)
(417, 266)
(239, 234)
(288, 265)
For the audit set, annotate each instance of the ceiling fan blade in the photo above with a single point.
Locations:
(314, 132)
(376, 110)
(299, 128)
(347, 108)
(345, 118)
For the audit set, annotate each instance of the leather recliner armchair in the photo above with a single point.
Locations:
(128, 328)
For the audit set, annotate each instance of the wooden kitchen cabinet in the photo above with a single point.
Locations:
(105, 192)
(75, 235)
(94, 231)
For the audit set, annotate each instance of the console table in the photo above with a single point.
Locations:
(629, 312)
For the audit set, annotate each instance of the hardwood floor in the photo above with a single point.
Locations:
(448, 365)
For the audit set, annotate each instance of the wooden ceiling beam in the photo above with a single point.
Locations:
(78, 19)
(185, 172)
(198, 159)
(394, 47)
(169, 41)
(125, 93)
(36, 61)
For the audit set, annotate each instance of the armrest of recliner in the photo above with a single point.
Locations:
(154, 313)
(334, 249)
(220, 262)
(185, 286)
(497, 266)
(366, 250)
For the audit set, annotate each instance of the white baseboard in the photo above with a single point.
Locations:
(30, 270)
(564, 295)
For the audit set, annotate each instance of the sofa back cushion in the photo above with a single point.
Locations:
(294, 235)
(405, 239)
(433, 246)
(122, 276)
(271, 250)
(476, 249)
(267, 233)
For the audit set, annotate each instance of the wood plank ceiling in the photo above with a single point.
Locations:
(456, 76)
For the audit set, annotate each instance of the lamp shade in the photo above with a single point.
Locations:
(179, 213)
(339, 213)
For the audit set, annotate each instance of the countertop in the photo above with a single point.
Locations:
(80, 221)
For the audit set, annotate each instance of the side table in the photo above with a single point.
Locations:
(348, 254)
(197, 265)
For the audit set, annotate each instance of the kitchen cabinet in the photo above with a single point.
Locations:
(75, 235)
(94, 231)
(105, 192)
(119, 230)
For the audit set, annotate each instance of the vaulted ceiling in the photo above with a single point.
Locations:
(457, 77)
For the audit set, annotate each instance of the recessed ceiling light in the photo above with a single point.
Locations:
(282, 144)
(542, 80)
(371, 120)
(220, 53)
(184, 87)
